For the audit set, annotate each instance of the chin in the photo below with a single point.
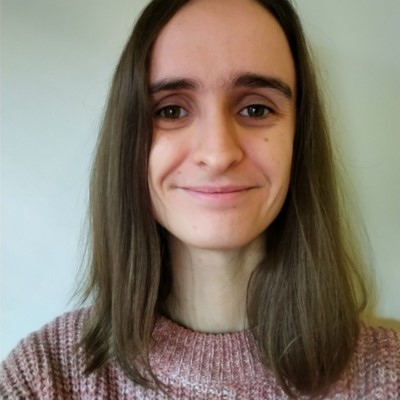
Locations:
(221, 241)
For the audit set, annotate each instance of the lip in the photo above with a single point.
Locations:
(217, 189)
(229, 193)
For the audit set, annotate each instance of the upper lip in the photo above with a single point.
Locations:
(217, 189)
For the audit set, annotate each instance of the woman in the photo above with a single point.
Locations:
(220, 263)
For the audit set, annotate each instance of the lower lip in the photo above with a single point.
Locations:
(218, 197)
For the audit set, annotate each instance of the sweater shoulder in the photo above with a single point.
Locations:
(379, 346)
(375, 367)
(43, 357)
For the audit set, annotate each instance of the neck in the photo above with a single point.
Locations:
(209, 287)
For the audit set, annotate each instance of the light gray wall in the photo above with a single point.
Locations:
(57, 62)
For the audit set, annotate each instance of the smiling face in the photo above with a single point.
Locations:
(223, 92)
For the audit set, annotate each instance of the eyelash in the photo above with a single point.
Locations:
(161, 113)
(266, 111)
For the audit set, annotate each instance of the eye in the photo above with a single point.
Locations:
(256, 111)
(171, 112)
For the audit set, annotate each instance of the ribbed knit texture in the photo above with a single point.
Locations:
(193, 365)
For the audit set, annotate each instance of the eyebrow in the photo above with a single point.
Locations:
(173, 84)
(251, 80)
(242, 80)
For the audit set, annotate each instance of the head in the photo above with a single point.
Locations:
(223, 123)
(286, 165)
(132, 108)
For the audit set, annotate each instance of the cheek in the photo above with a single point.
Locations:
(161, 161)
(155, 168)
(273, 159)
(164, 161)
(153, 193)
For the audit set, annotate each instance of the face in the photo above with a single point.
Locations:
(223, 94)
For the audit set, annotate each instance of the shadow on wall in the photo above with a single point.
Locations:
(374, 320)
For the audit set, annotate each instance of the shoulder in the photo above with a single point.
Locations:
(375, 367)
(62, 332)
(43, 357)
(379, 348)
(378, 338)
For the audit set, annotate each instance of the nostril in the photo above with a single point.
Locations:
(217, 158)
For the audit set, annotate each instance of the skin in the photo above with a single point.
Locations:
(219, 166)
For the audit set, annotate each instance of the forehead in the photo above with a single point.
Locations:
(210, 40)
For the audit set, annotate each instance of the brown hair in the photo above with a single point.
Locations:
(302, 301)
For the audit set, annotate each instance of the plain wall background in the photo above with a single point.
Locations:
(57, 59)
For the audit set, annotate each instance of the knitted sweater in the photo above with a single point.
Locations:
(194, 365)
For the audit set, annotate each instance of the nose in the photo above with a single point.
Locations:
(217, 146)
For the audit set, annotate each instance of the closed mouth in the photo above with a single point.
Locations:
(217, 189)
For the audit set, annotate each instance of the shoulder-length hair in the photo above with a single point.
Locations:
(302, 303)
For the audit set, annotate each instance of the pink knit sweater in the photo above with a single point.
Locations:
(194, 365)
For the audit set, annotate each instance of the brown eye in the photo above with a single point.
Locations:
(172, 112)
(256, 111)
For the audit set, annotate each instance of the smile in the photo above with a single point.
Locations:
(218, 193)
(217, 189)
